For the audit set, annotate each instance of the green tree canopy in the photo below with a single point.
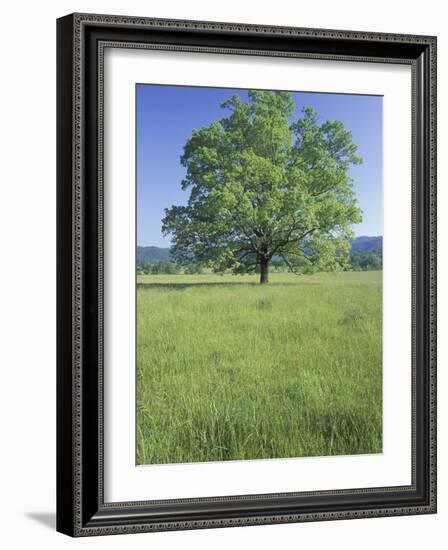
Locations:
(263, 187)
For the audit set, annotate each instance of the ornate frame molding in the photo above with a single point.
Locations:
(82, 511)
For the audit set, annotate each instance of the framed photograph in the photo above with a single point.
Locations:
(246, 274)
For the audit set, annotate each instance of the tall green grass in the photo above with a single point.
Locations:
(228, 369)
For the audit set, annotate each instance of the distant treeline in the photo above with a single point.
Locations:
(169, 268)
(359, 261)
(366, 261)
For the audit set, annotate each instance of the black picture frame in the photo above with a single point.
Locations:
(81, 510)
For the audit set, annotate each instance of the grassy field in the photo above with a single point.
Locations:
(228, 369)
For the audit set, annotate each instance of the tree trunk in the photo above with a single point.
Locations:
(264, 271)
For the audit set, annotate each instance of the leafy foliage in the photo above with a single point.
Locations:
(261, 187)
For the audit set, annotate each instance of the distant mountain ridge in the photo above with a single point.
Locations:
(153, 254)
(158, 254)
(368, 244)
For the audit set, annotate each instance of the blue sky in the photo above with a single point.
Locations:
(166, 116)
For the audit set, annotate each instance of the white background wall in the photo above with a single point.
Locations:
(27, 274)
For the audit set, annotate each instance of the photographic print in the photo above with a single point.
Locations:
(258, 274)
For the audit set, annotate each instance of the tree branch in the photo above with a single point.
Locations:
(289, 240)
(289, 264)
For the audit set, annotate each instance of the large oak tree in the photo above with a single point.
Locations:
(262, 186)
